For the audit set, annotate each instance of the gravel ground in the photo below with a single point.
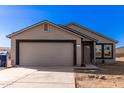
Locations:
(109, 76)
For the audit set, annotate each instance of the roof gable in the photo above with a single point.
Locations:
(37, 24)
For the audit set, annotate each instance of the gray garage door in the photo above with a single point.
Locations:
(46, 54)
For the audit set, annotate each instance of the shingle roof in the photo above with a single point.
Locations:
(62, 27)
(94, 32)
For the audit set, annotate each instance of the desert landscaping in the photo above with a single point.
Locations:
(108, 76)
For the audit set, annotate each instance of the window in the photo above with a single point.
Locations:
(46, 28)
(98, 51)
(104, 50)
(107, 51)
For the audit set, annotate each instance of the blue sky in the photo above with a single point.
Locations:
(107, 20)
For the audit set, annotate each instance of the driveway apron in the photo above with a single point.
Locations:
(37, 77)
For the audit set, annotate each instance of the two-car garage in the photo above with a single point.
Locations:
(45, 52)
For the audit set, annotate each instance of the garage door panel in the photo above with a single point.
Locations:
(46, 53)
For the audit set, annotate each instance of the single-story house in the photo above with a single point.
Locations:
(120, 53)
(48, 44)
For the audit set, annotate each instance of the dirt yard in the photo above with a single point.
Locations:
(109, 76)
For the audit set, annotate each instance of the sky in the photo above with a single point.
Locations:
(107, 20)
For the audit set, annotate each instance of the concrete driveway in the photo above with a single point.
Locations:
(37, 77)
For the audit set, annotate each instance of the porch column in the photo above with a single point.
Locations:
(94, 44)
(79, 56)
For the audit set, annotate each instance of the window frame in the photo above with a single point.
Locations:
(44, 27)
(103, 44)
(101, 50)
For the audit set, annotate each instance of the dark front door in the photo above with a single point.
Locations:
(87, 52)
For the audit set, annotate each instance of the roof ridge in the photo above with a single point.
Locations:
(27, 27)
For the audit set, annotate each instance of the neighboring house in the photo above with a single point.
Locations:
(5, 49)
(120, 54)
(49, 44)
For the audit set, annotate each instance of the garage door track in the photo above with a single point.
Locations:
(37, 77)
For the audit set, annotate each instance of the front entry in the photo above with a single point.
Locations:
(87, 52)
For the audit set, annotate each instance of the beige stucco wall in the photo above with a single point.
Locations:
(100, 40)
(53, 34)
